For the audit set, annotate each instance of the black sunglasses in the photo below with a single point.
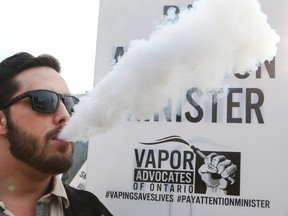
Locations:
(45, 101)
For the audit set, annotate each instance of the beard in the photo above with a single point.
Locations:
(28, 149)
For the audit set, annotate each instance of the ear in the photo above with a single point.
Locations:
(3, 123)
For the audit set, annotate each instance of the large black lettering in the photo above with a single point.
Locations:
(270, 67)
(163, 156)
(232, 104)
(118, 53)
(167, 111)
(188, 157)
(197, 107)
(139, 160)
(254, 106)
(242, 76)
(166, 9)
(175, 157)
(214, 111)
(150, 159)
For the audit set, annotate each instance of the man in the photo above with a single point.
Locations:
(35, 103)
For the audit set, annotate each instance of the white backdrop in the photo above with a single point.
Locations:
(135, 179)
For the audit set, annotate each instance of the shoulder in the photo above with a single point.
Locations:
(81, 200)
(76, 194)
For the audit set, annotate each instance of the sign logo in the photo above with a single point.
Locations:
(191, 176)
(205, 172)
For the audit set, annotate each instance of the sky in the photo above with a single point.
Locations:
(66, 29)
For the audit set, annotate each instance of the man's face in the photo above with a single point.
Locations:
(33, 135)
(33, 150)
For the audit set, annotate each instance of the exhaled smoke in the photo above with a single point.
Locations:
(207, 42)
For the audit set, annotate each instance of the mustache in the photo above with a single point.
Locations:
(53, 133)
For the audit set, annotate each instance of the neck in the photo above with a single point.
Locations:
(19, 184)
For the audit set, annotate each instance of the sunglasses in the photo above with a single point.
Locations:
(45, 101)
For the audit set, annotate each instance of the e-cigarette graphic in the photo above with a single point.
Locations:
(197, 151)
(202, 155)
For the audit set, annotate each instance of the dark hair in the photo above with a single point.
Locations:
(17, 63)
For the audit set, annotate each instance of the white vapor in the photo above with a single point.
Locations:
(207, 42)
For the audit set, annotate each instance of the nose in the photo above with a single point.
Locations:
(61, 115)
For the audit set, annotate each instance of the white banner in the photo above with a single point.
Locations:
(175, 162)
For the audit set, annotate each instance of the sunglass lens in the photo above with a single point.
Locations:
(45, 101)
(70, 102)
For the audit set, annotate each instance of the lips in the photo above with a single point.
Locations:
(54, 136)
(60, 141)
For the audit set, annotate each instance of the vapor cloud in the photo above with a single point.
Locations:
(207, 42)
